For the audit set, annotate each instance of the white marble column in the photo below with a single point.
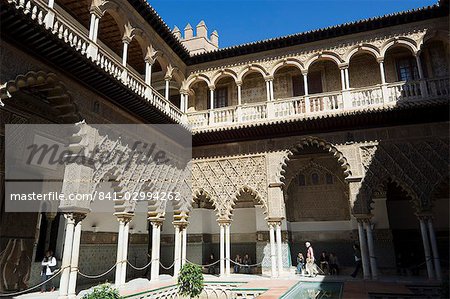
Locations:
(383, 81)
(124, 75)
(177, 252)
(426, 246)
(222, 249)
(239, 92)
(148, 71)
(119, 252)
(347, 78)
(156, 239)
(74, 261)
(363, 248)
(423, 86)
(167, 88)
(67, 256)
(372, 257)
(227, 249)
(273, 254)
(123, 275)
(305, 87)
(343, 86)
(272, 97)
(279, 249)
(211, 104)
(434, 249)
(92, 49)
(184, 247)
(267, 90)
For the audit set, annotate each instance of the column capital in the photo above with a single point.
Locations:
(124, 217)
(76, 217)
(168, 77)
(150, 60)
(156, 221)
(268, 78)
(380, 59)
(96, 11)
(424, 215)
(126, 39)
(363, 218)
(343, 66)
(224, 222)
(184, 92)
(212, 87)
(239, 83)
(274, 221)
(304, 72)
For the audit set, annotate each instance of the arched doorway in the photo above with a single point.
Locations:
(315, 181)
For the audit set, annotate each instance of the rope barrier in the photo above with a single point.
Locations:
(243, 265)
(97, 276)
(205, 265)
(137, 268)
(167, 268)
(36, 286)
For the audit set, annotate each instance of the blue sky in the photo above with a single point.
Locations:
(243, 21)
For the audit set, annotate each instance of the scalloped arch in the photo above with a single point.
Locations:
(321, 144)
(256, 197)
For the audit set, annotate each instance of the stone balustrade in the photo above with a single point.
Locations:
(60, 24)
(378, 96)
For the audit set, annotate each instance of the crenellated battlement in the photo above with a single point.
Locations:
(199, 42)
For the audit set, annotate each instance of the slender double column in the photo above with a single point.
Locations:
(122, 247)
(423, 84)
(126, 41)
(68, 282)
(371, 248)
(177, 253)
(424, 219)
(225, 247)
(156, 247)
(180, 245)
(434, 249)
(92, 49)
(273, 251)
(306, 90)
(363, 248)
(383, 80)
(211, 104)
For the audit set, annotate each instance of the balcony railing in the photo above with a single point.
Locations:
(70, 31)
(325, 103)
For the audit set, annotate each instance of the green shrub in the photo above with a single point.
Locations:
(103, 291)
(190, 281)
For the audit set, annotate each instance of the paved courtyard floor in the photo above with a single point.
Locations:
(352, 288)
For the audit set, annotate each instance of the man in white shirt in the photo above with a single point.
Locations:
(48, 268)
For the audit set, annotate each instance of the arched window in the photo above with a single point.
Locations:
(315, 179)
(301, 180)
(329, 179)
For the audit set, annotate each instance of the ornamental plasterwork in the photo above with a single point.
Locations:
(131, 177)
(415, 166)
(224, 179)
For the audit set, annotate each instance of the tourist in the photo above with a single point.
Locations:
(48, 268)
(237, 266)
(211, 269)
(334, 264)
(358, 261)
(300, 263)
(311, 268)
(324, 266)
(246, 261)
